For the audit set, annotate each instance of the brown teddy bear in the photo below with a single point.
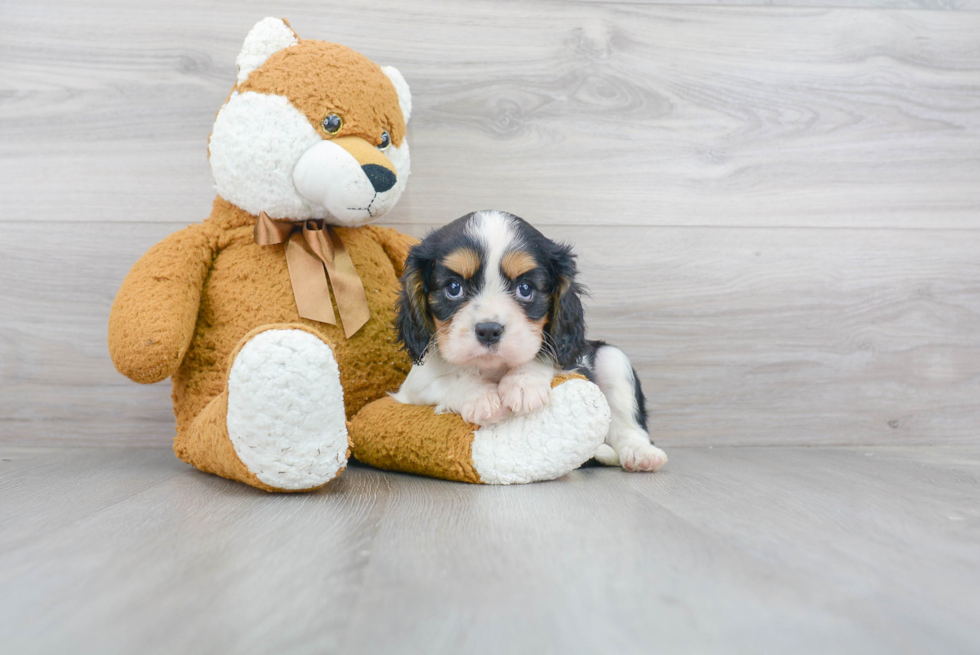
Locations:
(274, 317)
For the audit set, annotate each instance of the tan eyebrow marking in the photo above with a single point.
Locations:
(517, 262)
(464, 261)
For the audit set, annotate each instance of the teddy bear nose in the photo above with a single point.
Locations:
(381, 178)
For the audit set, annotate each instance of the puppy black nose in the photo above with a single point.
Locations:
(489, 333)
(381, 178)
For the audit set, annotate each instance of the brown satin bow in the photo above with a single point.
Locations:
(311, 247)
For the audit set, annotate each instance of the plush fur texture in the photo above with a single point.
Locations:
(546, 443)
(192, 300)
(275, 115)
(269, 35)
(541, 446)
(261, 395)
(286, 410)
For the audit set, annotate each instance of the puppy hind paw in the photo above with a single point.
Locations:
(642, 457)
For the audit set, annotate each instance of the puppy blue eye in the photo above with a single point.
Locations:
(454, 290)
(524, 291)
(385, 141)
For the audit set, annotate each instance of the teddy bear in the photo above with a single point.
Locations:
(274, 317)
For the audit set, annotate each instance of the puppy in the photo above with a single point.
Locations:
(490, 311)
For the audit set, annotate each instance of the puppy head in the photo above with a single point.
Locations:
(489, 290)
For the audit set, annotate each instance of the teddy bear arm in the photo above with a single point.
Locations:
(539, 446)
(153, 316)
(395, 244)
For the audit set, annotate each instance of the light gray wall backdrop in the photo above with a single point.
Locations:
(777, 208)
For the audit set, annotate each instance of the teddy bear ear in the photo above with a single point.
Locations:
(401, 86)
(268, 36)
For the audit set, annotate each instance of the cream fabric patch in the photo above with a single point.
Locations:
(256, 142)
(268, 36)
(286, 415)
(545, 444)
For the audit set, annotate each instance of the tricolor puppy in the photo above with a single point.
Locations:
(490, 312)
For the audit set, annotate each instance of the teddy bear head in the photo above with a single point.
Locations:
(311, 130)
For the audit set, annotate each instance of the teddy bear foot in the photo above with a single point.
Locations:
(286, 416)
(547, 443)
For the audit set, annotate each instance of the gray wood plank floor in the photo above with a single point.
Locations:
(727, 550)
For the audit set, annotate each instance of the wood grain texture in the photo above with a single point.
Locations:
(727, 550)
(931, 5)
(288, 594)
(568, 113)
(740, 336)
(776, 207)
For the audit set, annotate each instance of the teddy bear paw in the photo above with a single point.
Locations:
(547, 443)
(286, 416)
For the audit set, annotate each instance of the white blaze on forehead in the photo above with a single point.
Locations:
(495, 231)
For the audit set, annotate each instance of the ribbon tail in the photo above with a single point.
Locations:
(309, 283)
(347, 288)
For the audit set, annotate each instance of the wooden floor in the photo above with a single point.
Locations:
(733, 550)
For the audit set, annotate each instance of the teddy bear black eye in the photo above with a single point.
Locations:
(385, 141)
(332, 123)
(454, 290)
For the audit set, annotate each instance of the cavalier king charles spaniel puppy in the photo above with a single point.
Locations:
(490, 311)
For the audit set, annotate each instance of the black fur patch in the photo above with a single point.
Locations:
(641, 403)
(560, 294)
(556, 297)
(585, 365)
(424, 268)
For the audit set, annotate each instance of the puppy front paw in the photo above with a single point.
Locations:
(484, 408)
(523, 393)
(642, 457)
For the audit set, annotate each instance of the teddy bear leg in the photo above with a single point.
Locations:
(542, 445)
(280, 424)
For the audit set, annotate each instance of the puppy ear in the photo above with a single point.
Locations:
(414, 322)
(566, 324)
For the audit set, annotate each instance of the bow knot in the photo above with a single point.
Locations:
(312, 246)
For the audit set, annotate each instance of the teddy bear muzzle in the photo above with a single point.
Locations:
(368, 180)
